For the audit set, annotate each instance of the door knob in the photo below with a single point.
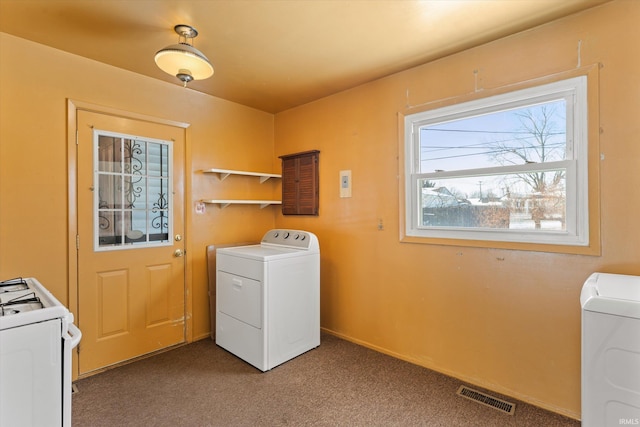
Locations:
(178, 237)
(178, 253)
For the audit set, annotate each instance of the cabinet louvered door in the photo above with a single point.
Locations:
(289, 186)
(300, 191)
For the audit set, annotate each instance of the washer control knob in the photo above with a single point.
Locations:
(303, 237)
(286, 235)
(276, 234)
(296, 237)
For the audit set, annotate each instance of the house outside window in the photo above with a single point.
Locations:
(511, 167)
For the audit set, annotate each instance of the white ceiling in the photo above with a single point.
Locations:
(276, 54)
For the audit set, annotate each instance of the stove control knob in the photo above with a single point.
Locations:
(276, 234)
(286, 235)
(296, 237)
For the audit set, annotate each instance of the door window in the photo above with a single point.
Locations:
(132, 191)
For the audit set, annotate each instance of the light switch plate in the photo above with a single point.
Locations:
(345, 183)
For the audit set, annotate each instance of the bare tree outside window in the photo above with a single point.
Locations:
(540, 138)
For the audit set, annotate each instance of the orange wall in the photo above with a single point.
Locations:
(35, 83)
(504, 319)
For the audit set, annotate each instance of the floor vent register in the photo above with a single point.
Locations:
(487, 400)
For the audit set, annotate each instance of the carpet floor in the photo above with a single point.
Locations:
(336, 384)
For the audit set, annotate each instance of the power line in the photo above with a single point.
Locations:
(518, 141)
(486, 131)
(434, 148)
(502, 150)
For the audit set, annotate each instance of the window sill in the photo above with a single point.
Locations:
(591, 249)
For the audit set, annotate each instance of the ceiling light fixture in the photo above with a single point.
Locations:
(182, 59)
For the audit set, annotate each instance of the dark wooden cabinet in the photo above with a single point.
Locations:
(300, 187)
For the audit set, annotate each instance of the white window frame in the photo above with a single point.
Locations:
(576, 233)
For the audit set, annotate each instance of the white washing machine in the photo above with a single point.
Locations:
(610, 350)
(268, 298)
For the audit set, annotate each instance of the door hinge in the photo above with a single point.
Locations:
(76, 136)
(77, 241)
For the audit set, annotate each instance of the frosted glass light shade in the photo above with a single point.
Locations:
(181, 57)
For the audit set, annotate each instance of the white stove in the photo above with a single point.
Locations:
(35, 390)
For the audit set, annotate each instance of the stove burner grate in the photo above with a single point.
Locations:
(25, 302)
(11, 285)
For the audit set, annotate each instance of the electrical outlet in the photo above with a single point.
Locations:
(345, 183)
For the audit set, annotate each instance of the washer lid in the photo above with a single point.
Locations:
(278, 243)
(616, 294)
(263, 252)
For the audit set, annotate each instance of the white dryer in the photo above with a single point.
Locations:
(610, 350)
(268, 298)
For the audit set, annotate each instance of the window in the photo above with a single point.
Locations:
(511, 167)
(133, 195)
